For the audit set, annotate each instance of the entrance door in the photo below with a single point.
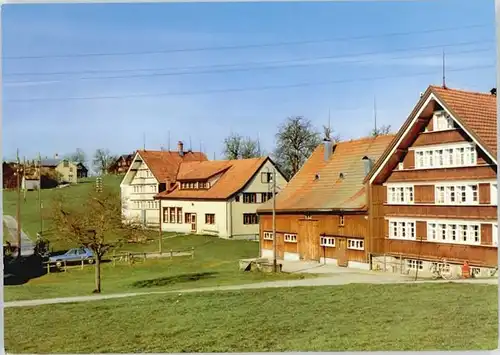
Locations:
(308, 240)
(193, 222)
(341, 251)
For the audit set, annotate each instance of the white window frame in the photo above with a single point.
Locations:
(460, 230)
(328, 242)
(494, 194)
(404, 229)
(267, 236)
(442, 121)
(290, 238)
(457, 155)
(413, 264)
(400, 194)
(452, 194)
(494, 234)
(356, 244)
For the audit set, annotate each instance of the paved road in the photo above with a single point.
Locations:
(27, 245)
(320, 281)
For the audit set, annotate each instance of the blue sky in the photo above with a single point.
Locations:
(61, 126)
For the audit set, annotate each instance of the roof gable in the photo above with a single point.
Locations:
(475, 113)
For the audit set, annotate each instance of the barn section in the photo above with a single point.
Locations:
(443, 121)
(321, 215)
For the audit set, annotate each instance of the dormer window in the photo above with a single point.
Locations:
(195, 185)
(442, 121)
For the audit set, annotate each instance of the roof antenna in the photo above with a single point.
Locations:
(169, 140)
(375, 113)
(144, 141)
(214, 156)
(190, 145)
(258, 143)
(444, 71)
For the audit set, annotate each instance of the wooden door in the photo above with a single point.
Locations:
(308, 240)
(193, 222)
(280, 246)
(341, 251)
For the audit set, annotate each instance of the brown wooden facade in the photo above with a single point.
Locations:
(310, 228)
(400, 168)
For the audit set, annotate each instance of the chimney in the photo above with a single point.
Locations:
(368, 164)
(421, 94)
(493, 91)
(328, 148)
(180, 148)
(56, 156)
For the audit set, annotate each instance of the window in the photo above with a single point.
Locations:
(172, 215)
(494, 194)
(70, 170)
(249, 197)
(250, 218)
(463, 155)
(290, 238)
(402, 230)
(341, 220)
(400, 194)
(415, 264)
(357, 244)
(327, 242)
(209, 218)
(307, 216)
(459, 233)
(442, 121)
(179, 215)
(264, 197)
(266, 177)
(457, 194)
(237, 198)
(268, 236)
(66, 163)
(165, 215)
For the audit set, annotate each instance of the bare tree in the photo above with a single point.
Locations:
(94, 224)
(102, 160)
(327, 133)
(295, 141)
(77, 156)
(239, 147)
(381, 131)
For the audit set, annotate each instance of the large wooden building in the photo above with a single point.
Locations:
(433, 194)
(322, 214)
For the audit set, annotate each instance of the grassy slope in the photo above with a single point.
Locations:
(216, 258)
(351, 317)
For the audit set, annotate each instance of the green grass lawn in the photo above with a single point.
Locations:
(350, 317)
(215, 261)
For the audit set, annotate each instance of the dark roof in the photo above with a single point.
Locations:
(50, 162)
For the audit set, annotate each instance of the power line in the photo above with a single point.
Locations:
(275, 44)
(262, 88)
(284, 62)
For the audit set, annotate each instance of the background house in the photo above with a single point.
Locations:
(321, 215)
(218, 197)
(121, 164)
(151, 172)
(434, 194)
(68, 171)
(9, 177)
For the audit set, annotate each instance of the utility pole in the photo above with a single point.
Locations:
(159, 227)
(275, 265)
(24, 180)
(40, 192)
(18, 212)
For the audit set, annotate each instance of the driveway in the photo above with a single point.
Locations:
(27, 245)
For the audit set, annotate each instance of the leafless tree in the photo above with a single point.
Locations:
(102, 160)
(327, 134)
(381, 131)
(295, 141)
(78, 156)
(96, 223)
(239, 147)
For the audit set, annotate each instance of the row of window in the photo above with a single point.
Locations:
(447, 194)
(144, 173)
(152, 188)
(251, 197)
(150, 205)
(355, 244)
(195, 185)
(463, 155)
(442, 232)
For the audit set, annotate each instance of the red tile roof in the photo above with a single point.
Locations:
(305, 192)
(477, 111)
(236, 174)
(165, 164)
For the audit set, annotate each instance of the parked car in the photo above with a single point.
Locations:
(72, 256)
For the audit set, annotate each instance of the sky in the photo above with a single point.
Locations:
(124, 76)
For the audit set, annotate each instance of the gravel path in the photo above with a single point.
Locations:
(340, 279)
(27, 245)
